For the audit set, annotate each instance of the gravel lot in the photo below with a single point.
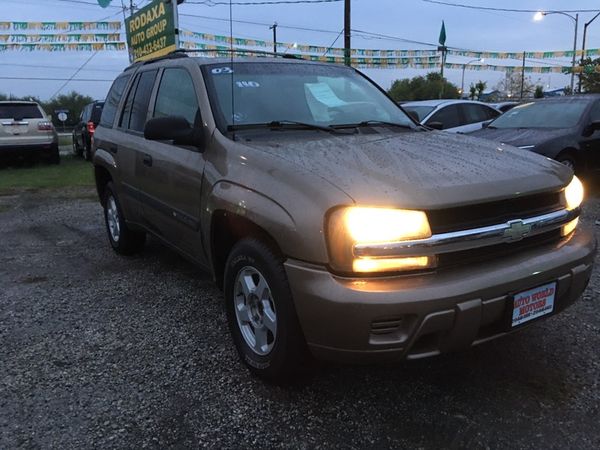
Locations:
(105, 351)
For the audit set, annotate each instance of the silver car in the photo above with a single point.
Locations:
(455, 116)
(26, 132)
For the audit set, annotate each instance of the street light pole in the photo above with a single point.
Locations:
(585, 27)
(462, 84)
(540, 15)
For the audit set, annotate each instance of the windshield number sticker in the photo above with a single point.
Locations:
(247, 84)
(221, 70)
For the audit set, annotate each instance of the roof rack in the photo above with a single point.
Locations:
(182, 53)
(172, 55)
(235, 50)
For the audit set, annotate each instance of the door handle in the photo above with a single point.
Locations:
(147, 160)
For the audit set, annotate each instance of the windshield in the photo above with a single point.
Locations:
(564, 114)
(420, 111)
(304, 93)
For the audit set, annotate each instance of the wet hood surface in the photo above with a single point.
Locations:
(521, 137)
(415, 169)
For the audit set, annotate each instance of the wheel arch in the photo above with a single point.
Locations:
(102, 177)
(227, 229)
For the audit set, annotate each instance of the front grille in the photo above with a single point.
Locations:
(492, 213)
(473, 256)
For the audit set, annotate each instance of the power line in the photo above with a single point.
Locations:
(487, 8)
(266, 2)
(74, 75)
(57, 79)
(262, 24)
(37, 66)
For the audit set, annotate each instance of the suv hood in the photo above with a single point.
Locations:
(418, 170)
(521, 137)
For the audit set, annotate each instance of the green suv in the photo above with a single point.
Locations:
(336, 226)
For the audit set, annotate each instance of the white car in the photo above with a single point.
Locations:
(454, 116)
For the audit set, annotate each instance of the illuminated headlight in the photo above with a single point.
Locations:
(348, 227)
(574, 194)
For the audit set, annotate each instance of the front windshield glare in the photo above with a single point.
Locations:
(563, 114)
(308, 93)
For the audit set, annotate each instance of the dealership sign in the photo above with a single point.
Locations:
(151, 32)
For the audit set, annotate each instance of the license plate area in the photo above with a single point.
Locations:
(533, 304)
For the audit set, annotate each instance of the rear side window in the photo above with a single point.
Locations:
(112, 101)
(20, 111)
(476, 113)
(141, 100)
(96, 112)
(177, 96)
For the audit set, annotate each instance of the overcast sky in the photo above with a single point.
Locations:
(408, 19)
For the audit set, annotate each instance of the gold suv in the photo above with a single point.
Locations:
(336, 225)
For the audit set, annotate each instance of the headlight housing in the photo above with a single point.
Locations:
(350, 226)
(574, 194)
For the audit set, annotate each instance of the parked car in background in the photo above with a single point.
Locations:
(27, 133)
(504, 106)
(562, 128)
(455, 116)
(85, 128)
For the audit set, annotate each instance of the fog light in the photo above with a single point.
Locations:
(570, 227)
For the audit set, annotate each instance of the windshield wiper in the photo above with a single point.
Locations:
(370, 123)
(282, 125)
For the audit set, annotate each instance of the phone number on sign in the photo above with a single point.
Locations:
(150, 47)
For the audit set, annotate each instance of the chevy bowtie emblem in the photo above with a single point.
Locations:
(516, 231)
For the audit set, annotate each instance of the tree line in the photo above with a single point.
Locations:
(434, 86)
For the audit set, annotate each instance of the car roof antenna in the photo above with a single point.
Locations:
(231, 73)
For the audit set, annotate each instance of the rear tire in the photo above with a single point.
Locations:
(261, 313)
(54, 157)
(77, 151)
(123, 240)
(87, 153)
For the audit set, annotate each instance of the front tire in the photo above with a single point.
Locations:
(568, 160)
(261, 313)
(123, 240)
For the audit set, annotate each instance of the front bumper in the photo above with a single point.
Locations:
(370, 320)
(27, 150)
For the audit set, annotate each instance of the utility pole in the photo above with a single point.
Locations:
(274, 28)
(574, 56)
(523, 77)
(347, 43)
(585, 27)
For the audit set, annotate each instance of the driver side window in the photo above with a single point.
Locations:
(177, 96)
(449, 116)
(595, 112)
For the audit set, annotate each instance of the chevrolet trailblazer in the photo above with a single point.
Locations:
(336, 225)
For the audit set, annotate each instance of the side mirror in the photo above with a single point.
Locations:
(436, 125)
(591, 128)
(413, 115)
(174, 128)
